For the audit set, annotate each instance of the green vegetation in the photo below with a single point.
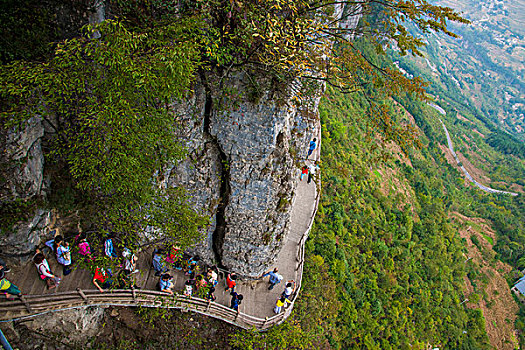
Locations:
(495, 153)
(483, 71)
(506, 144)
(395, 263)
(106, 101)
(383, 270)
(27, 30)
(392, 267)
(488, 238)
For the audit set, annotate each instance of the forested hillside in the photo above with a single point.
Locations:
(387, 263)
(391, 247)
(478, 81)
(492, 155)
(390, 255)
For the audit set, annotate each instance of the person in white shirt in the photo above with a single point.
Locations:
(312, 168)
(289, 289)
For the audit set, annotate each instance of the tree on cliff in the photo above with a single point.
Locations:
(107, 103)
(309, 40)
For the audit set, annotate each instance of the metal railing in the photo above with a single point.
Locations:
(35, 305)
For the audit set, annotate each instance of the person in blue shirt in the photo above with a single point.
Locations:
(313, 145)
(166, 283)
(159, 262)
(236, 300)
(275, 278)
(109, 248)
(63, 254)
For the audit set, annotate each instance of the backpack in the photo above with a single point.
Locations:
(64, 254)
(4, 284)
(84, 248)
(42, 276)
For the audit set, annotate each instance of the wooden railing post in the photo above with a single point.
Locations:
(264, 323)
(26, 304)
(209, 304)
(134, 294)
(84, 297)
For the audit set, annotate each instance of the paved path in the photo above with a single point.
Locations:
(258, 300)
(451, 148)
(471, 179)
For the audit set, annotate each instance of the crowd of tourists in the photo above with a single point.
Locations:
(120, 265)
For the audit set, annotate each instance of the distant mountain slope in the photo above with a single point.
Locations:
(485, 68)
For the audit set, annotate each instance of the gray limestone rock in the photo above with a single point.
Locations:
(22, 179)
(241, 170)
(23, 162)
(199, 173)
(73, 326)
(25, 236)
(242, 167)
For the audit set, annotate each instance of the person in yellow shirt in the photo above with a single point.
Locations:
(8, 288)
(282, 301)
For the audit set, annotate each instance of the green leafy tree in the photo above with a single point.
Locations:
(108, 101)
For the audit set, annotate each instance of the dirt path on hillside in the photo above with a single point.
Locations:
(500, 309)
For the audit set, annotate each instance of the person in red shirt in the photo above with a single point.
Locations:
(102, 279)
(304, 172)
(230, 281)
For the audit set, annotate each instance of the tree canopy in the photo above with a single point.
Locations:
(107, 102)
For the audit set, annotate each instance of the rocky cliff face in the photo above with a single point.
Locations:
(22, 179)
(66, 329)
(244, 155)
(23, 161)
(242, 170)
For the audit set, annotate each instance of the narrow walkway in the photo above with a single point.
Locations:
(76, 290)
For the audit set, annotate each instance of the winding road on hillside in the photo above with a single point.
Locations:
(77, 291)
(451, 148)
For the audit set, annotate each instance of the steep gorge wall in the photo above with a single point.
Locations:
(22, 179)
(242, 170)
